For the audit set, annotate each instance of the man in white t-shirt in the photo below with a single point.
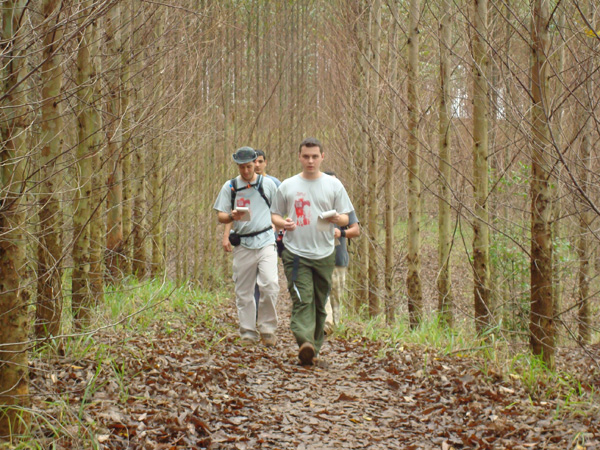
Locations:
(309, 255)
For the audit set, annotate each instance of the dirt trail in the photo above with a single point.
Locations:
(182, 393)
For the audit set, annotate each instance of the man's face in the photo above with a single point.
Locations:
(247, 171)
(260, 164)
(311, 159)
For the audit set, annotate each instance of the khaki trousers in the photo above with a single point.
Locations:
(253, 267)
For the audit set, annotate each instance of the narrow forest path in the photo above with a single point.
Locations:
(193, 390)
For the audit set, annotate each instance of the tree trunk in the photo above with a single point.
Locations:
(481, 241)
(127, 122)
(413, 278)
(97, 229)
(390, 303)
(88, 126)
(114, 217)
(49, 285)
(372, 192)
(542, 314)
(14, 326)
(156, 179)
(139, 162)
(445, 168)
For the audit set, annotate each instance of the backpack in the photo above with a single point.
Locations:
(258, 186)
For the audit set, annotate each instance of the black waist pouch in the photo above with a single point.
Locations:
(236, 239)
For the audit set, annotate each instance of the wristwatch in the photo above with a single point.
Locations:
(231, 217)
(343, 233)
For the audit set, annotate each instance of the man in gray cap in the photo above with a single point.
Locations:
(245, 201)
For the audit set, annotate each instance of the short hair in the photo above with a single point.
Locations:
(331, 173)
(311, 142)
(260, 153)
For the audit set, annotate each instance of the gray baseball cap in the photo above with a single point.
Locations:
(244, 155)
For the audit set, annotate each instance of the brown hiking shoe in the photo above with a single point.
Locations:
(247, 341)
(268, 340)
(306, 354)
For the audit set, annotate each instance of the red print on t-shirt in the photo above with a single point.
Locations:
(302, 213)
(243, 201)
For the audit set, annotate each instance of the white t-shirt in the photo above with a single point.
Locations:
(259, 210)
(303, 201)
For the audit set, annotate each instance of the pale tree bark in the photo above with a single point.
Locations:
(88, 129)
(413, 278)
(362, 112)
(114, 217)
(372, 191)
(584, 244)
(97, 230)
(585, 247)
(444, 282)
(542, 314)
(49, 284)
(156, 179)
(481, 235)
(390, 304)
(139, 161)
(557, 131)
(125, 48)
(14, 324)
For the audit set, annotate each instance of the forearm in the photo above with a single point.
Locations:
(227, 230)
(342, 220)
(278, 221)
(353, 231)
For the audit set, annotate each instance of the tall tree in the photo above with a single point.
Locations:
(373, 172)
(542, 313)
(156, 179)
(88, 138)
(97, 230)
(445, 166)
(49, 286)
(390, 307)
(413, 277)
(138, 175)
(481, 239)
(114, 217)
(125, 47)
(14, 327)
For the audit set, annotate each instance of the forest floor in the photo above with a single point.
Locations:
(173, 387)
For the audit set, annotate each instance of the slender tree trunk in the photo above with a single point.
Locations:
(413, 278)
(88, 127)
(372, 195)
(97, 228)
(138, 178)
(558, 90)
(584, 245)
(542, 314)
(481, 240)
(14, 324)
(49, 287)
(114, 217)
(444, 283)
(363, 56)
(390, 182)
(127, 145)
(156, 180)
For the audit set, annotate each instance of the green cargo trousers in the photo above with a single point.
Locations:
(309, 282)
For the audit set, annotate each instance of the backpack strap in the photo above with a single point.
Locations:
(258, 185)
(262, 191)
(234, 189)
